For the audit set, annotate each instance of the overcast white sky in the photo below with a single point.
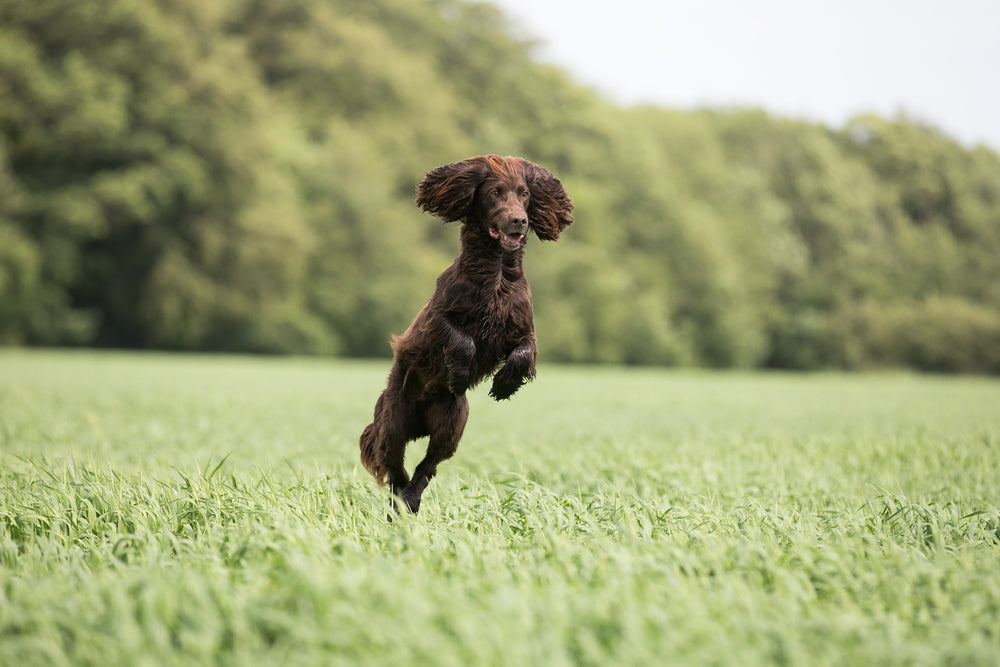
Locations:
(936, 60)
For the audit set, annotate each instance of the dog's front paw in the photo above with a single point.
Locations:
(506, 383)
(502, 393)
(458, 381)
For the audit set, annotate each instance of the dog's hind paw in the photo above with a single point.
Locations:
(412, 501)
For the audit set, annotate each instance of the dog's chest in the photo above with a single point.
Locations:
(500, 310)
(505, 310)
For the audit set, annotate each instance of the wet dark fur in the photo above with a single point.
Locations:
(478, 322)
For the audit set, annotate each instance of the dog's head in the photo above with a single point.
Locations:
(505, 195)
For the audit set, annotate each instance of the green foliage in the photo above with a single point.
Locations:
(200, 510)
(239, 176)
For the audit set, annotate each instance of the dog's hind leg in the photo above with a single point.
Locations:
(445, 418)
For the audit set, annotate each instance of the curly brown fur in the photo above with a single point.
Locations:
(477, 324)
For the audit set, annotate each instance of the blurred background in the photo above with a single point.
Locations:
(239, 175)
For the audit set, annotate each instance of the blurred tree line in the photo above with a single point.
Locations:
(239, 175)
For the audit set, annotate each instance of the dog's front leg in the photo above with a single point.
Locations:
(518, 369)
(460, 350)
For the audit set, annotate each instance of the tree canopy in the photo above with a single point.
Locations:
(238, 176)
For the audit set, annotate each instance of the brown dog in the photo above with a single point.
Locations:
(479, 319)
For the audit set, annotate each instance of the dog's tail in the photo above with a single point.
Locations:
(371, 452)
(385, 432)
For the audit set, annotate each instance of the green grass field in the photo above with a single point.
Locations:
(159, 510)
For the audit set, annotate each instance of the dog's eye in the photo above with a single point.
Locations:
(495, 192)
(524, 194)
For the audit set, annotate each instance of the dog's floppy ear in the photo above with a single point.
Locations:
(549, 206)
(447, 191)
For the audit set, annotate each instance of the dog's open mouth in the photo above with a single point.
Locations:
(512, 242)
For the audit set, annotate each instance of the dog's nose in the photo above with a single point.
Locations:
(519, 223)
